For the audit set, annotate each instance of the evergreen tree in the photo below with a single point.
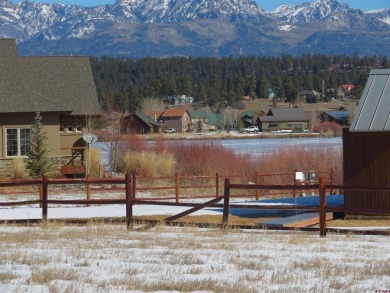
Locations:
(199, 127)
(38, 163)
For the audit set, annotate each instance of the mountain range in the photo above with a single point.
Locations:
(212, 28)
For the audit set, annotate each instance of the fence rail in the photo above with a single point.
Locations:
(129, 186)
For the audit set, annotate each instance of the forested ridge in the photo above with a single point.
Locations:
(222, 82)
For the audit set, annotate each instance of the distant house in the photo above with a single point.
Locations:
(139, 124)
(215, 121)
(283, 119)
(156, 116)
(197, 116)
(249, 117)
(62, 89)
(209, 121)
(344, 90)
(366, 146)
(339, 117)
(179, 100)
(175, 118)
(310, 96)
(347, 88)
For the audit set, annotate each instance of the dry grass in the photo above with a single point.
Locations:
(95, 167)
(149, 163)
(104, 257)
(329, 129)
(288, 159)
(19, 169)
(367, 222)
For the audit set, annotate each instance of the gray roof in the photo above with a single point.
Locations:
(46, 84)
(373, 112)
(284, 115)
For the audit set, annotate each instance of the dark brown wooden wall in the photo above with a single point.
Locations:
(134, 124)
(366, 158)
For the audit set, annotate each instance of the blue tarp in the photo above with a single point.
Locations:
(331, 200)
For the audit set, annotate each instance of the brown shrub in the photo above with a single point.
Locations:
(206, 158)
(328, 129)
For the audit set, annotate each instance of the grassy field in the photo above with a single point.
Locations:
(333, 105)
(55, 257)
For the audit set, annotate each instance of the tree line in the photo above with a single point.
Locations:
(222, 82)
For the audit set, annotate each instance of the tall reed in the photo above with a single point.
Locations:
(206, 158)
(19, 168)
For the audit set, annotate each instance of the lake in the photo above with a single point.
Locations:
(255, 146)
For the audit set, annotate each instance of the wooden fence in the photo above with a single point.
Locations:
(323, 188)
(128, 185)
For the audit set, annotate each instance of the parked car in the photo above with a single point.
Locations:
(251, 129)
(170, 130)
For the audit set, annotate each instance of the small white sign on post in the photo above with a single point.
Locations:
(299, 176)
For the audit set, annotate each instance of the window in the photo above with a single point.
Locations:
(69, 129)
(18, 141)
(79, 129)
(62, 129)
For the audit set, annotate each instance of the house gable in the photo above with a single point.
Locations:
(139, 123)
(45, 84)
(294, 119)
(178, 118)
(62, 89)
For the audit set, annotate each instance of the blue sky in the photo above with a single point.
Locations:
(264, 4)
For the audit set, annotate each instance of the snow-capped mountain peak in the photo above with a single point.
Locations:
(381, 14)
(189, 27)
(306, 12)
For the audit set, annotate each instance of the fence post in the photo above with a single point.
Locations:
(40, 192)
(295, 183)
(44, 198)
(177, 187)
(216, 185)
(134, 185)
(88, 189)
(332, 191)
(129, 203)
(322, 207)
(226, 197)
(257, 183)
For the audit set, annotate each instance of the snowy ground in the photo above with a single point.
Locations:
(101, 257)
(109, 258)
(57, 211)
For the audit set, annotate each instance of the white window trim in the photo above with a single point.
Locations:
(18, 141)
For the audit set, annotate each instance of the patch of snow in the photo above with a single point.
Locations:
(286, 27)
(377, 10)
(385, 20)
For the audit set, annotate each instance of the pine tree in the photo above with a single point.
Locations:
(37, 162)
